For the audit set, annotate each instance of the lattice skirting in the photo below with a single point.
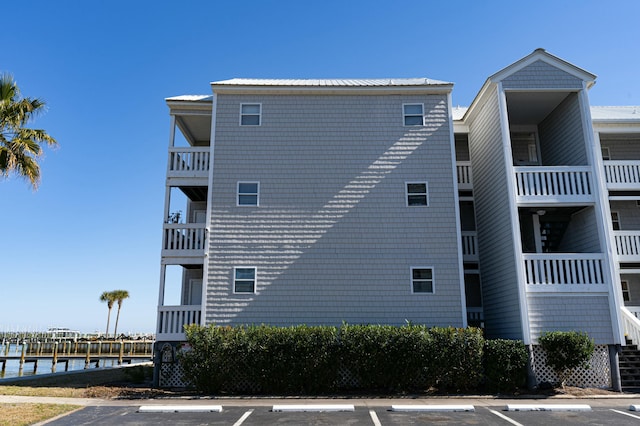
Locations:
(170, 370)
(598, 376)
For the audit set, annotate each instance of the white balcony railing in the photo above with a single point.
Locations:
(189, 162)
(183, 239)
(463, 170)
(172, 319)
(556, 184)
(621, 175)
(469, 246)
(564, 272)
(627, 245)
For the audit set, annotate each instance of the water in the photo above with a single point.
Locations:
(45, 365)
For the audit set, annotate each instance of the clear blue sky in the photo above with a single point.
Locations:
(104, 69)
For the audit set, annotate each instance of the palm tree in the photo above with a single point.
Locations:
(119, 296)
(20, 146)
(107, 296)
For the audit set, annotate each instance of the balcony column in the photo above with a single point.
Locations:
(172, 132)
(163, 273)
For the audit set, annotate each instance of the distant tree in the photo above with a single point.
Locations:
(108, 296)
(119, 296)
(20, 146)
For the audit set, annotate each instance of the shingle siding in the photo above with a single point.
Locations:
(333, 239)
(562, 135)
(581, 235)
(569, 312)
(541, 75)
(493, 219)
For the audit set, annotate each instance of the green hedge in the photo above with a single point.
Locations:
(373, 358)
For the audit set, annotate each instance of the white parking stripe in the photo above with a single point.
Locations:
(626, 414)
(374, 418)
(502, 416)
(243, 418)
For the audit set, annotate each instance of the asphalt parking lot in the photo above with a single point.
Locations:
(310, 414)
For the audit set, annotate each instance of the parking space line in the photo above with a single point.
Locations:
(313, 407)
(243, 418)
(374, 418)
(626, 414)
(502, 416)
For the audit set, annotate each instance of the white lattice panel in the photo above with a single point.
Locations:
(598, 376)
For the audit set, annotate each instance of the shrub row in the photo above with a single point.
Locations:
(371, 358)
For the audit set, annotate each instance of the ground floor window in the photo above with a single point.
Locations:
(244, 280)
(422, 280)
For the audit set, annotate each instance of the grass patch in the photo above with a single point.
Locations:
(28, 414)
(59, 392)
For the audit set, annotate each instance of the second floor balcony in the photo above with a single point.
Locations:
(627, 245)
(189, 163)
(622, 175)
(183, 240)
(564, 272)
(551, 185)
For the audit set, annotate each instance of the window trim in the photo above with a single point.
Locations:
(259, 114)
(405, 115)
(426, 193)
(433, 280)
(255, 279)
(615, 219)
(257, 193)
(624, 287)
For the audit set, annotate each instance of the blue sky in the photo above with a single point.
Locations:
(105, 68)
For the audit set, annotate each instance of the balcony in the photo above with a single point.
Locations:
(622, 175)
(463, 170)
(172, 319)
(554, 185)
(564, 272)
(183, 240)
(469, 246)
(189, 166)
(627, 245)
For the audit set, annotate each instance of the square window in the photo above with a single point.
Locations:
(248, 193)
(413, 114)
(244, 280)
(417, 194)
(422, 280)
(250, 114)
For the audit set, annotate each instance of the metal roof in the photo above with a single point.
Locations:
(615, 113)
(331, 82)
(191, 98)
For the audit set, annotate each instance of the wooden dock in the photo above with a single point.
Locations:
(92, 352)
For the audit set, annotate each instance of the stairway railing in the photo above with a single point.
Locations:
(631, 325)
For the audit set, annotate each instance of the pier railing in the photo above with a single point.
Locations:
(92, 352)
